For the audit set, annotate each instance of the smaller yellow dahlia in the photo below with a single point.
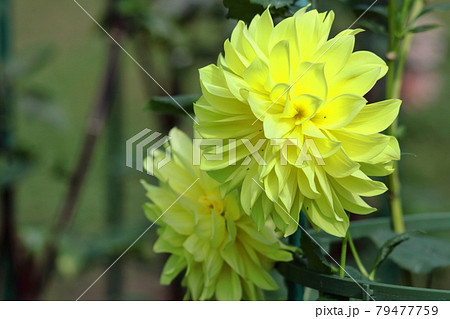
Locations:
(209, 236)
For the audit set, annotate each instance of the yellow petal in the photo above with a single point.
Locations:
(375, 118)
(213, 81)
(217, 229)
(310, 34)
(390, 153)
(277, 127)
(359, 147)
(285, 32)
(360, 74)
(302, 108)
(261, 32)
(323, 186)
(334, 53)
(250, 190)
(382, 169)
(360, 58)
(287, 185)
(236, 85)
(256, 74)
(351, 202)
(359, 183)
(309, 79)
(325, 27)
(328, 224)
(228, 286)
(260, 105)
(325, 146)
(340, 165)
(340, 111)
(279, 93)
(235, 61)
(306, 183)
(279, 62)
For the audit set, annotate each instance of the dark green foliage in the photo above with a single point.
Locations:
(420, 254)
(242, 9)
(374, 10)
(424, 28)
(165, 105)
(372, 25)
(315, 255)
(436, 7)
(246, 9)
(387, 248)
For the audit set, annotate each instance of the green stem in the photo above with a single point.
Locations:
(399, 45)
(358, 262)
(114, 173)
(393, 86)
(343, 255)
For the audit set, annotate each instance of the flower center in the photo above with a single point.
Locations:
(212, 202)
(300, 109)
(299, 118)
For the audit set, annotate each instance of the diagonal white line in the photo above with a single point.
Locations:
(134, 60)
(362, 14)
(140, 236)
(312, 238)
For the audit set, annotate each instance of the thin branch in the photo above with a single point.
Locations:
(94, 129)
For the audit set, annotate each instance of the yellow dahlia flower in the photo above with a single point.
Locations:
(209, 236)
(292, 86)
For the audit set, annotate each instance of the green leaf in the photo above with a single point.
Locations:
(246, 9)
(436, 7)
(166, 105)
(299, 4)
(379, 10)
(420, 254)
(314, 255)
(273, 3)
(424, 28)
(242, 9)
(387, 248)
(373, 26)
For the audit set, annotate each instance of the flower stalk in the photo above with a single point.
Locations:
(399, 45)
(343, 255)
(358, 262)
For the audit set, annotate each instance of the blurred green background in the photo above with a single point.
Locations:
(180, 42)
